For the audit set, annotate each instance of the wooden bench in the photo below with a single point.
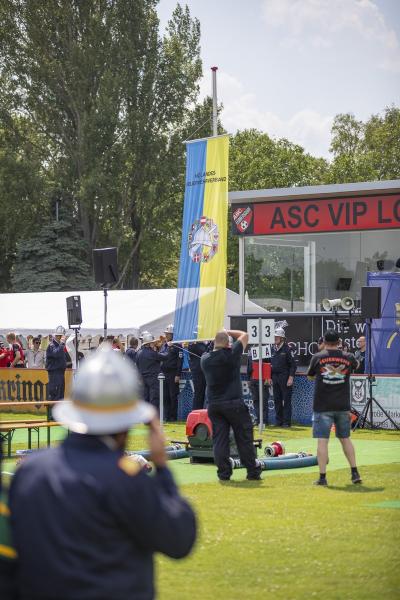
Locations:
(7, 431)
(8, 427)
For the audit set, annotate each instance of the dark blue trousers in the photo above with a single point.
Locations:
(282, 399)
(151, 388)
(199, 385)
(56, 384)
(171, 391)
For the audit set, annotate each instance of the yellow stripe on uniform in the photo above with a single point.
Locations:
(212, 297)
(7, 551)
(4, 510)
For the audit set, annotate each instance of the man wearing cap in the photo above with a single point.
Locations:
(226, 407)
(283, 368)
(148, 362)
(331, 369)
(171, 367)
(56, 363)
(86, 519)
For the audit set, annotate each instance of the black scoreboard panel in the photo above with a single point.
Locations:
(303, 330)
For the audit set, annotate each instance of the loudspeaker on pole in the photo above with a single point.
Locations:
(371, 303)
(105, 264)
(74, 311)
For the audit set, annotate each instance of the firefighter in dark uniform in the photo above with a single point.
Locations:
(56, 363)
(148, 361)
(87, 519)
(171, 367)
(196, 351)
(283, 366)
(226, 407)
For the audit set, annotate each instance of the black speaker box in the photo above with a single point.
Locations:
(74, 311)
(105, 264)
(371, 302)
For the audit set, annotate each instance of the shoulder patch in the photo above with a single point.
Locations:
(129, 466)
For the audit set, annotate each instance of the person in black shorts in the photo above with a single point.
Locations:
(226, 407)
(331, 369)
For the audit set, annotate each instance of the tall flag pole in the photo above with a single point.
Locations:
(214, 97)
(201, 295)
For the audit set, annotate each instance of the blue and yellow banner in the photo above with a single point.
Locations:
(201, 296)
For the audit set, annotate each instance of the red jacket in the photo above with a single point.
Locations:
(6, 356)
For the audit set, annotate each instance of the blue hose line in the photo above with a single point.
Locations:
(289, 463)
(173, 453)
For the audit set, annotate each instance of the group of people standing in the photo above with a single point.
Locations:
(163, 356)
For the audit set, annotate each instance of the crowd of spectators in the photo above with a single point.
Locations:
(158, 355)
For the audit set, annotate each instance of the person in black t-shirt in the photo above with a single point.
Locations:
(226, 407)
(331, 369)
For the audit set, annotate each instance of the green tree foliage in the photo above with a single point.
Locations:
(366, 151)
(55, 259)
(107, 93)
(259, 162)
(23, 204)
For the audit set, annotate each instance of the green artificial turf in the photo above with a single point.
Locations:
(286, 539)
(283, 538)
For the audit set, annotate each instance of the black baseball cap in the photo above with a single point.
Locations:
(331, 336)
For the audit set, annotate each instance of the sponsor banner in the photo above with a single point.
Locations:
(385, 341)
(27, 385)
(386, 390)
(303, 331)
(313, 216)
(201, 294)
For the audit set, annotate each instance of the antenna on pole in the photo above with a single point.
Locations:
(214, 97)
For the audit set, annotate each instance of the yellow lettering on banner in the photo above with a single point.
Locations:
(27, 385)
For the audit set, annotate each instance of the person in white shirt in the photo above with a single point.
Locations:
(35, 358)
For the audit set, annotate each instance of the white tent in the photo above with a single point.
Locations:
(129, 311)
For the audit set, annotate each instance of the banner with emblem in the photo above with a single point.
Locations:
(201, 295)
(385, 332)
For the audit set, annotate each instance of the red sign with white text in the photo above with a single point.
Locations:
(328, 214)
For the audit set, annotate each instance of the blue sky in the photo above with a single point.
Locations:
(288, 67)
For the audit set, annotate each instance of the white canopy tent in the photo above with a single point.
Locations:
(129, 311)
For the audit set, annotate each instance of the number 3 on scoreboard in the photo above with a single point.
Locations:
(252, 330)
(267, 331)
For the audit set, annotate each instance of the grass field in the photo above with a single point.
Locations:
(283, 538)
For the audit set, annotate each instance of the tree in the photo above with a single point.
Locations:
(54, 259)
(107, 94)
(366, 151)
(23, 188)
(257, 162)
